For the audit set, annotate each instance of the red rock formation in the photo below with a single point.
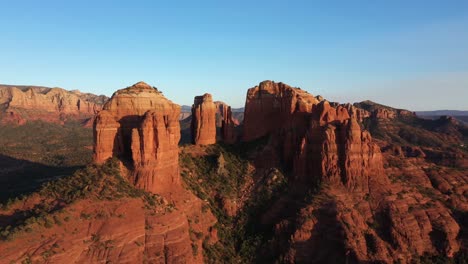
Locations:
(358, 113)
(383, 113)
(321, 142)
(140, 126)
(228, 124)
(337, 151)
(221, 112)
(119, 231)
(203, 125)
(47, 104)
(359, 216)
(272, 105)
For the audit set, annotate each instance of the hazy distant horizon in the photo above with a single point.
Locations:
(245, 93)
(405, 54)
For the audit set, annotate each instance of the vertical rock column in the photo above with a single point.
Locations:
(227, 126)
(203, 125)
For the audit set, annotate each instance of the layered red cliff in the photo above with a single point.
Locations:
(18, 104)
(322, 143)
(140, 128)
(360, 215)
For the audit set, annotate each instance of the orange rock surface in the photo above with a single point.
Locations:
(120, 231)
(358, 215)
(22, 103)
(270, 105)
(140, 127)
(203, 126)
(228, 124)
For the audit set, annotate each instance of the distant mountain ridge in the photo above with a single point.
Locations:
(460, 115)
(187, 108)
(19, 104)
(186, 112)
(443, 112)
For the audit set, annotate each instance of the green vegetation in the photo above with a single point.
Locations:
(38, 152)
(95, 181)
(412, 130)
(460, 258)
(209, 180)
(136, 90)
(221, 175)
(100, 182)
(404, 132)
(49, 144)
(371, 106)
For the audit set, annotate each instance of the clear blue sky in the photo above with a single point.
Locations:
(411, 54)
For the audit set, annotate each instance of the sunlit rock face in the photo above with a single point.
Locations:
(359, 215)
(203, 125)
(140, 127)
(19, 104)
(320, 141)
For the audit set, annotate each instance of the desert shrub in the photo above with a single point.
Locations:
(101, 182)
(38, 152)
(240, 237)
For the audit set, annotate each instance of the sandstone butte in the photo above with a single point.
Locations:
(356, 216)
(361, 215)
(18, 104)
(139, 127)
(203, 126)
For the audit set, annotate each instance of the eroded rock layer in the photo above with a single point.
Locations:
(126, 230)
(18, 104)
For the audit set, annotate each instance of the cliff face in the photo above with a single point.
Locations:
(358, 214)
(22, 103)
(108, 218)
(139, 126)
(227, 123)
(272, 105)
(203, 126)
(320, 142)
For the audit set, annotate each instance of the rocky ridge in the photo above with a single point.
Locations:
(326, 183)
(18, 104)
(358, 214)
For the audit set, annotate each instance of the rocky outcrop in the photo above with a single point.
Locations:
(203, 125)
(357, 113)
(339, 154)
(140, 127)
(321, 142)
(126, 230)
(227, 123)
(21, 103)
(272, 105)
(359, 215)
(114, 222)
(382, 113)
